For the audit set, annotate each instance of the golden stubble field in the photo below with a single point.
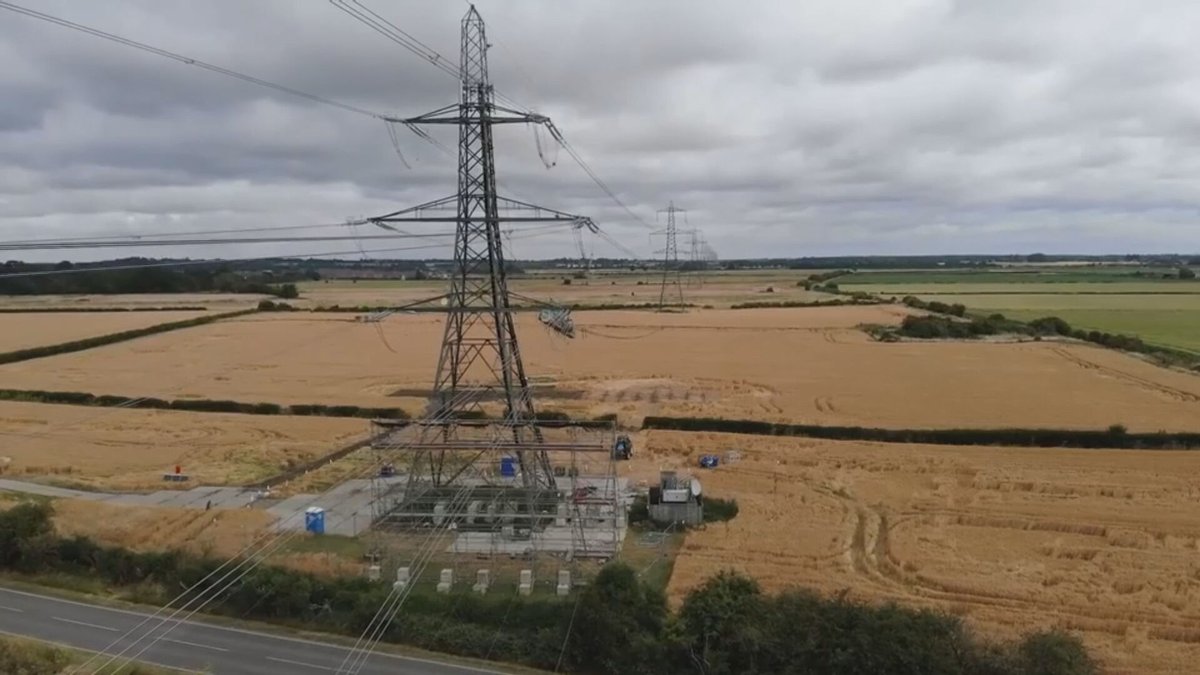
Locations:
(799, 365)
(223, 302)
(22, 331)
(1102, 542)
(612, 288)
(106, 448)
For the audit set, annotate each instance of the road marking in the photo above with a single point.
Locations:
(254, 633)
(301, 663)
(12, 609)
(84, 623)
(64, 645)
(195, 644)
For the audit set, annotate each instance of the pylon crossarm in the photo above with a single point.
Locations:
(453, 114)
(539, 213)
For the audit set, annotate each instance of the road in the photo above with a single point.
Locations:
(194, 645)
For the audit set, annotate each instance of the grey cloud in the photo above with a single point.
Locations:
(803, 128)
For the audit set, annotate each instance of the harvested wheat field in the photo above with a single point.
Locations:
(221, 533)
(720, 290)
(223, 302)
(130, 449)
(798, 365)
(1103, 542)
(22, 331)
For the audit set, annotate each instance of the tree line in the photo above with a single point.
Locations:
(220, 277)
(617, 624)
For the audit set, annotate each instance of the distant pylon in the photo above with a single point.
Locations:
(671, 292)
(695, 276)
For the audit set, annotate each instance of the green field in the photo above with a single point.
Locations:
(1054, 302)
(1169, 328)
(1059, 275)
(1161, 311)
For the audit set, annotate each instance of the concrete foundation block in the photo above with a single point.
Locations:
(483, 579)
(564, 583)
(402, 578)
(526, 585)
(446, 581)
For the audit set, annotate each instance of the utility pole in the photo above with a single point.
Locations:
(671, 291)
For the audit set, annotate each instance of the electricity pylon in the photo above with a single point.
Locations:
(671, 291)
(480, 358)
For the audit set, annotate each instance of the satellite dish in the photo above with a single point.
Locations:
(695, 488)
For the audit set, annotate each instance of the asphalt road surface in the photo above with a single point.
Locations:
(193, 645)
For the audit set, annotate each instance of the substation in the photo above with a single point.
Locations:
(500, 505)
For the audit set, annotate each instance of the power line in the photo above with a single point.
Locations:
(374, 20)
(277, 228)
(95, 32)
(359, 11)
(148, 243)
(521, 234)
(210, 261)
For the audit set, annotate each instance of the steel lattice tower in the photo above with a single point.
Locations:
(671, 291)
(480, 358)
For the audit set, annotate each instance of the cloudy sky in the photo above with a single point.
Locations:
(821, 127)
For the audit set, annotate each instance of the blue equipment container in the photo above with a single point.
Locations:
(508, 467)
(314, 520)
(709, 461)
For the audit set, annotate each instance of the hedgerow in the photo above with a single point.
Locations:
(111, 338)
(1113, 437)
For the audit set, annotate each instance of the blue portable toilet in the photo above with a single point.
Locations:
(314, 520)
(508, 467)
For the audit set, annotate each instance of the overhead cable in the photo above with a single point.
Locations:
(185, 59)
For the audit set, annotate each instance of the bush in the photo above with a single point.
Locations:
(718, 510)
(1050, 325)
(1054, 653)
